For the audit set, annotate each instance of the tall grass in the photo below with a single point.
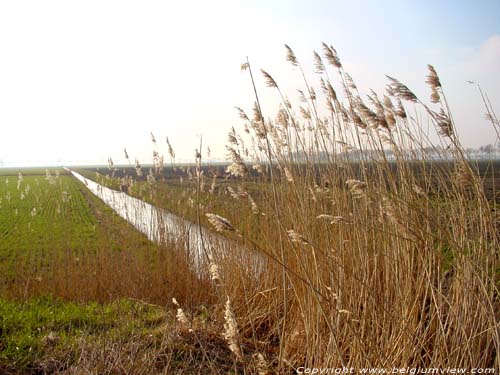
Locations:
(373, 251)
(371, 262)
(348, 244)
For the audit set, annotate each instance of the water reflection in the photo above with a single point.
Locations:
(161, 226)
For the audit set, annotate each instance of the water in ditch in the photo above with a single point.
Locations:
(161, 226)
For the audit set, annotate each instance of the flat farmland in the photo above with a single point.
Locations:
(34, 221)
(58, 239)
(72, 272)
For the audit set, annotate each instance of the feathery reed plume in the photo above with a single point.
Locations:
(312, 93)
(255, 209)
(305, 113)
(238, 167)
(288, 174)
(318, 63)
(231, 331)
(234, 193)
(153, 139)
(344, 311)
(350, 81)
(180, 316)
(445, 127)
(368, 114)
(242, 114)
(126, 154)
(170, 150)
(331, 56)
(138, 169)
(435, 96)
(290, 56)
(212, 185)
(390, 119)
(434, 83)
(357, 188)
(400, 110)
(432, 78)
(388, 103)
(219, 223)
(463, 175)
(282, 117)
(213, 270)
(151, 177)
(244, 67)
(297, 238)
(257, 116)
(156, 160)
(334, 219)
(110, 164)
(232, 137)
(401, 90)
(331, 92)
(270, 82)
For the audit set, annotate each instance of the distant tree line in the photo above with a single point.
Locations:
(484, 152)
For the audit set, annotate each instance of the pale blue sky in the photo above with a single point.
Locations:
(81, 80)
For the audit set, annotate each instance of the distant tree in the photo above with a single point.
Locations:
(489, 150)
(471, 152)
(481, 152)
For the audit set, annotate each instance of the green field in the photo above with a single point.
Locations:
(70, 269)
(57, 238)
(42, 220)
(46, 222)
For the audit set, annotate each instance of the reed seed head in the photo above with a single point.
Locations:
(270, 82)
(220, 224)
(334, 219)
(231, 330)
(296, 238)
(331, 56)
(213, 270)
(432, 78)
(357, 188)
(401, 90)
(290, 56)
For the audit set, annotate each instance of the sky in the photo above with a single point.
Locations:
(81, 80)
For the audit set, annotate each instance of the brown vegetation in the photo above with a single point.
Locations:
(366, 264)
